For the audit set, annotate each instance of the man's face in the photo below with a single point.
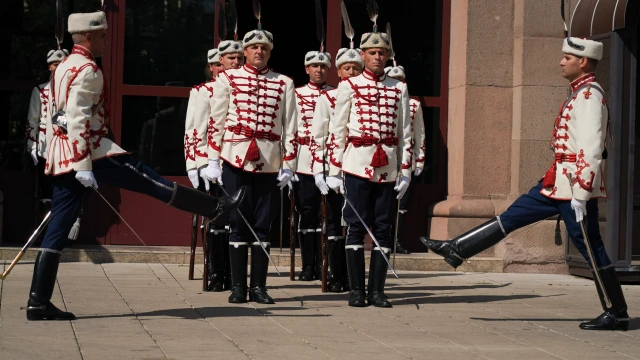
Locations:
(572, 66)
(375, 58)
(257, 55)
(53, 66)
(232, 60)
(349, 69)
(97, 39)
(215, 69)
(317, 73)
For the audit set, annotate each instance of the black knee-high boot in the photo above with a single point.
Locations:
(336, 253)
(317, 255)
(614, 317)
(377, 278)
(39, 306)
(196, 201)
(402, 217)
(259, 271)
(217, 250)
(355, 268)
(307, 253)
(468, 244)
(238, 256)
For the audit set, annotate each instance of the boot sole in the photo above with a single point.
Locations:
(32, 317)
(621, 326)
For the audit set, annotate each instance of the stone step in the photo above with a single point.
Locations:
(180, 255)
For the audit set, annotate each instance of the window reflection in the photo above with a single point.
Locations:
(153, 130)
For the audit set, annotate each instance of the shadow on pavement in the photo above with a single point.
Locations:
(419, 298)
(207, 312)
(395, 287)
(634, 323)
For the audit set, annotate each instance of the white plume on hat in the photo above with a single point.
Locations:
(582, 47)
(374, 40)
(395, 72)
(213, 56)
(85, 22)
(348, 55)
(56, 55)
(317, 57)
(258, 37)
(229, 47)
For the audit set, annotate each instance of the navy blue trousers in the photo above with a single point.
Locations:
(335, 204)
(121, 171)
(406, 199)
(308, 199)
(533, 207)
(260, 205)
(376, 203)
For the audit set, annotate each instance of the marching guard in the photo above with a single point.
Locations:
(79, 154)
(317, 64)
(570, 188)
(370, 158)
(253, 115)
(419, 150)
(348, 63)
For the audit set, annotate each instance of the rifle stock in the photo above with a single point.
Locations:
(204, 227)
(292, 236)
(194, 243)
(324, 239)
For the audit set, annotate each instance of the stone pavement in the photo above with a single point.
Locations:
(149, 311)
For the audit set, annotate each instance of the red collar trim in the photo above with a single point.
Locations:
(81, 50)
(586, 78)
(368, 74)
(316, 86)
(254, 70)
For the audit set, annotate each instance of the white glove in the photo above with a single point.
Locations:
(402, 184)
(212, 173)
(580, 207)
(321, 184)
(86, 178)
(418, 171)
(336, 183)
(284, 178)
(193, 177)
(34, 156)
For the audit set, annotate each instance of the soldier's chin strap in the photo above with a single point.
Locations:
(136, 234)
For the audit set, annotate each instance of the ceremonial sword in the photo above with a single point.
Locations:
(370, 234)
(33, 238)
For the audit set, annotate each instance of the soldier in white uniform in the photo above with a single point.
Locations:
(371, 149)
(79, 154)
(418, 139)
(570, 187)
(349, 63)
(308, 196)
(253, 115)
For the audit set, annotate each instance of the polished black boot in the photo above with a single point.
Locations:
(196, 201)
(307, 253)
(259, 270)
(355, 268)
(377, 278)
(238, 254)
(402, 217)
(227, 263)
(468, 244)
(614, 317)
(39, 306)
(336, 265)
(217, 249)
(317, 261)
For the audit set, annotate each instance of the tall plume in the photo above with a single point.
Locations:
(256, 12)
(222, 21)
(392, 54)
(59, 23)
(234, 18)
(348, 29)
(320, 25)
(372, 9)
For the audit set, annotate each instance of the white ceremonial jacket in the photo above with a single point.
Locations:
(578, 141)
(77, 88)
(307, 98)
(253, 116)
(419, 137)
(37, 117)
(322, 117)
(370, 135)
(196, 124)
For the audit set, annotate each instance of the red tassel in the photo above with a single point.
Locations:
(379, 158)
(549, 179)
(253, 153)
